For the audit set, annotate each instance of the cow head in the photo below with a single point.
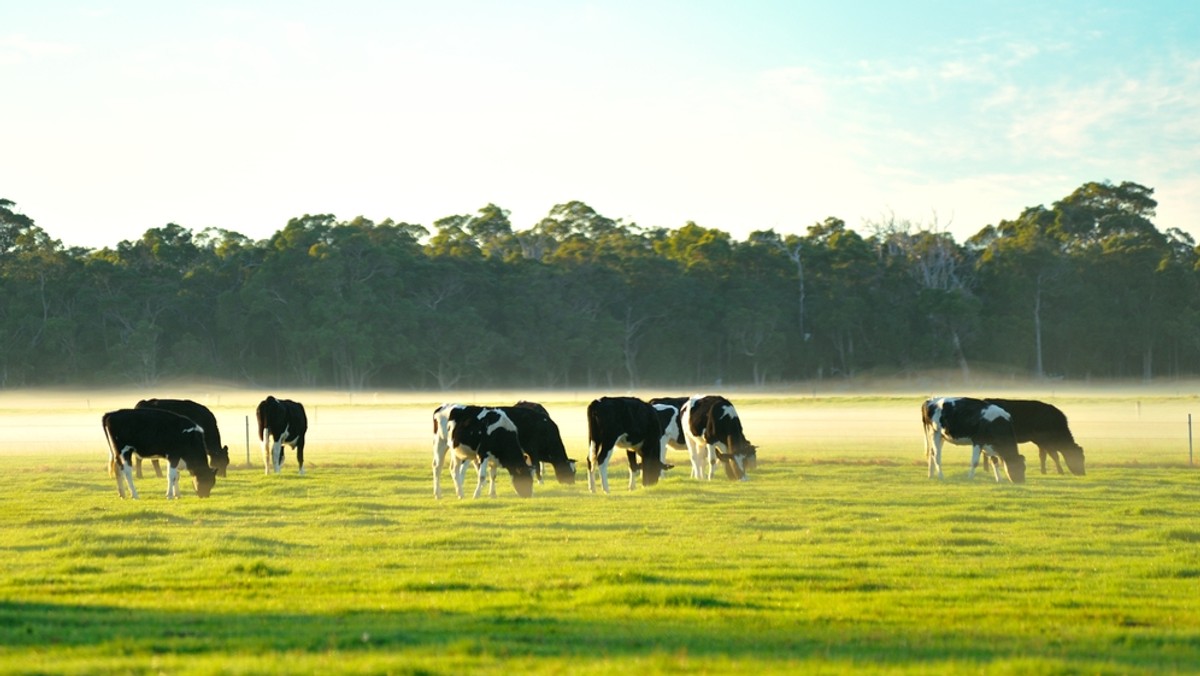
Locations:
(565, 472)
(203, 480)
(741, 459)
(1074, 458)
(522, 478)
(1015, 469)
(651, 465)
(220, 461)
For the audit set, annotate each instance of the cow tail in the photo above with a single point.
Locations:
(112, 447)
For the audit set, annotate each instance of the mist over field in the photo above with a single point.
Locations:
(1116, 423)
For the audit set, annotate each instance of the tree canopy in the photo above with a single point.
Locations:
(1085, 288)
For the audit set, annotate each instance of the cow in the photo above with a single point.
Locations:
(218, 455)
(632, 424)
(156, 433)
(1046, 426)
(541, 440)
(980, 423)
(482, 436)
(280, 422)
(713, 431)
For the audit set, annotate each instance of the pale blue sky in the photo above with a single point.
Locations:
(119, 116)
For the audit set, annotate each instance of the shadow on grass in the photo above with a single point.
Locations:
(44, 627)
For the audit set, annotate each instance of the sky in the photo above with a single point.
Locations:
(118, 116)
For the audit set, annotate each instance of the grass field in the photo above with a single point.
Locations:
(838, 555)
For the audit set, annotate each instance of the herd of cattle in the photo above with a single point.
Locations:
(522, 438)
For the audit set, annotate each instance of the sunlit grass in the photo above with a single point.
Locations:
(837, 556)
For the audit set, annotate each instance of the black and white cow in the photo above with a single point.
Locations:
(713, 431)
(218, 455)
(280, 422)
(155, 433)
(482, 436)
(1046, 426)
(541, 440)
(980, 423)
(632, 424)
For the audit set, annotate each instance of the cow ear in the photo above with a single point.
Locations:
(724, 456)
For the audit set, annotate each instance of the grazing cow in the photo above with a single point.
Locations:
(541, 440)
(155, 433)
(280, 422)
(632, 424)
(982, 424)
(218, 455)
(537, 433)
(713, 432)
(483, 436)
(1046, 426)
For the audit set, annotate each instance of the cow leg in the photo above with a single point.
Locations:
(277, 455)
(493, 467)
(929, 444)
(172, 482)
(157, 470)
(598, 465)
(712, 461)
(975, 452)
(935, 458)
(458, 470)
(481, 466)
(996, 467)
(138, 464)
(266, 449)
(300, 454)
(633, 469)
(439, 457)
(128, 472)
(1053, 456)
(604, 473)
(593, 461)
(116, 468)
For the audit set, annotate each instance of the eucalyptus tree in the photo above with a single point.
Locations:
(1119, 256)
(941, 283)
(1025, 279)
(582, 243)
(284, 330)
(44, 306)
(848, 323)
(148, 310)
(452, 341)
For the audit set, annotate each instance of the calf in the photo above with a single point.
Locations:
(280, 422)
(632, 424)
(1046, 426)
(155, 433)
(713, 431)
(982, 424)
(483, 436)
(218, 455)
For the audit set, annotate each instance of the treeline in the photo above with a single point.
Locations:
(1088, 288)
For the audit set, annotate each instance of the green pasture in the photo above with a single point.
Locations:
(839, 555)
